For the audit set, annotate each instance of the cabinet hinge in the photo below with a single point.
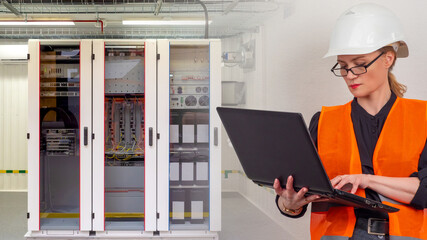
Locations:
(158, 56)
(28, 135)
(28, 56)
(93, 136)
(93, 56)
(158, 135)
(93, 215)
(28, 215)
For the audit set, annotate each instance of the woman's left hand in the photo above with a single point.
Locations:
(353, 182)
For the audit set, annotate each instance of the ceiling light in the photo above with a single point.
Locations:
(165, 22)
(36, 23)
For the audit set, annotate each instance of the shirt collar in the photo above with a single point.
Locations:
(359, 110)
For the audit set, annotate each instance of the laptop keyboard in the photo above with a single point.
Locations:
(374, 204)
(356, 197)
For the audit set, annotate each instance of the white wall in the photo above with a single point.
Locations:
(296, 78)
(13, 126)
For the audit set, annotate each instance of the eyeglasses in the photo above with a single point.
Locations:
(357, 70)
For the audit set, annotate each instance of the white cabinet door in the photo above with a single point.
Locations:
(34, 136)
(189, 170)
(215, 136)
(85, 131)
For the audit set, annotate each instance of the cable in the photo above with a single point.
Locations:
(206, 18)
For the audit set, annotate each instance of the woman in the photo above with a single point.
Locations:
(373, 146)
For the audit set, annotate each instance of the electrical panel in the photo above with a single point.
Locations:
(60, 142)
(124, 137)
(189, 90)
(59, 139)
(189, 80)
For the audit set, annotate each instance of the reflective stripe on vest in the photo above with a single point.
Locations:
(403, 238)
(386, 199)
(346, 238)
(396, 154)
(334, 238)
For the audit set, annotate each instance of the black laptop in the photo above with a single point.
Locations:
(273, 145)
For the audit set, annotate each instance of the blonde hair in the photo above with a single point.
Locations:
(396, 87)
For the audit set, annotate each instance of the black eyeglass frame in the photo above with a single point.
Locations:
(350, 69)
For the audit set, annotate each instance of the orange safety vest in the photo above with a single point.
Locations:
(396, 154)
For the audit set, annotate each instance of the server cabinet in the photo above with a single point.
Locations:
(189, 81)
(59, 148)
(123, 138)
(124, 157)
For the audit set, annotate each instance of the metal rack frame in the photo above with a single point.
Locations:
(230, 18)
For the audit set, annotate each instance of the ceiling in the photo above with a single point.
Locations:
(229, 17)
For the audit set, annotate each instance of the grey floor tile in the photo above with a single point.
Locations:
(241, 220)
(13, 212)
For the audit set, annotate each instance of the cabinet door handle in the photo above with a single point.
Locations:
(85, 141)
(150, 136)
(216, 136)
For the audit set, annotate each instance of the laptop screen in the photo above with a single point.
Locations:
(273, 145)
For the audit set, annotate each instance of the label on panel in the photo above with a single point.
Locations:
(202, 171)
(202, 133)
(196, 209)
(174, 133)
(174, 171)
(188, 133)
(177, 210)
(187, 171)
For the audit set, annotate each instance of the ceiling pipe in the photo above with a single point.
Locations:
(10, 7)
(158, 7)
(206, 18)
(74, 21)
(230, 7)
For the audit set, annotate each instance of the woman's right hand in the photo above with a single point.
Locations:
(289, 198)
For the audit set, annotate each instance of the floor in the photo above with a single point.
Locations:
(13, 215)
(241, 220)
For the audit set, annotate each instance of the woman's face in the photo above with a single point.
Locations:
(376, 77)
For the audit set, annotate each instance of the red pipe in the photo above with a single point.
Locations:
(100, 21)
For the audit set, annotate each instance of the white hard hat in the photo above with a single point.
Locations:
(365, 28)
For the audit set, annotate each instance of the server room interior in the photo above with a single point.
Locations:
(124, 121)
(124, 124)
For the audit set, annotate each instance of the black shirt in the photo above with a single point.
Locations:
(367, 129)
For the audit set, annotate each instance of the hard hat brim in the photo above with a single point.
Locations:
(402, 51)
